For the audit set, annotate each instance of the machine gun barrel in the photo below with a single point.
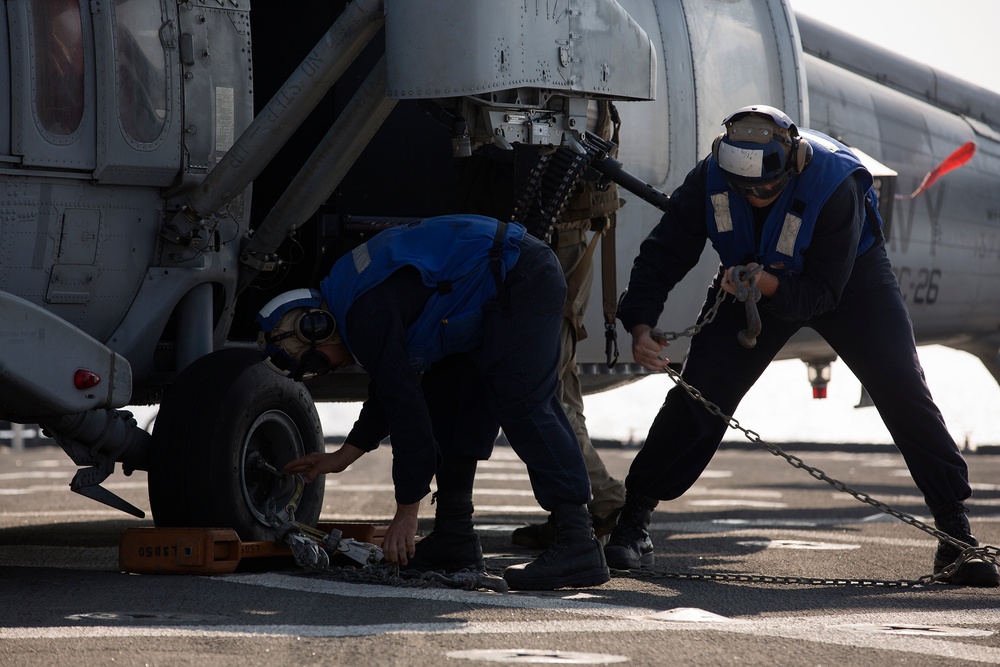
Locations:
(601, 160)
(614, 170)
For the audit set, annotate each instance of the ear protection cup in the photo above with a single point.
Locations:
(715, 146)
(290, 326)
(802, 153)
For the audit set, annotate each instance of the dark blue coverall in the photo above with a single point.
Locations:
(457, 407)
(862, 317)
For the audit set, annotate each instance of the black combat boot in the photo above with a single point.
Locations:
(535, 535)
(629, 547)
(453, 545)
(575, 559)
(543, 535)
(952, 520)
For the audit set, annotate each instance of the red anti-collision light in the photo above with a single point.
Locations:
(84, 379)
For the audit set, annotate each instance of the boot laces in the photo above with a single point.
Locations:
(630, 529)
(956, 525)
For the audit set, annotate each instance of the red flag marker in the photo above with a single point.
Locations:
(961, 156)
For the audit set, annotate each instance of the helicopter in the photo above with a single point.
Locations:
(167, 167)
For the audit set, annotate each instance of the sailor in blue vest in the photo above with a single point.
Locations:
(802, 207)
(456, 321)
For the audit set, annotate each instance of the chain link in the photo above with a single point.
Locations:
(691, 331)
(654, 574)
(310, 547)
(987, 553)
(392, 575)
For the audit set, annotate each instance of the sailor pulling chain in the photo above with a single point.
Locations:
(747, 337)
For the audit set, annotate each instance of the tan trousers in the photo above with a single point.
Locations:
(608, 492)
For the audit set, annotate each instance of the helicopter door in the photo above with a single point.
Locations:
(52, 83)
(138, 81)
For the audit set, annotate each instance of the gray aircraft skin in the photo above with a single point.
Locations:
(168, 167)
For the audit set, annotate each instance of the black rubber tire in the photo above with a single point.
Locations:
(222, 408)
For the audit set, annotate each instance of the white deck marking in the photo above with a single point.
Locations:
(799, 544)
(32, 474)
(839, 629)
(58, 488)
(502, 476)
(737, 502)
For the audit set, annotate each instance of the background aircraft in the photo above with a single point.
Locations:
(167, 168)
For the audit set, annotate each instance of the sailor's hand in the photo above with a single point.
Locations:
(398, 544)
(765, 282)
(730, 279)
(646, 350)
(313, 465)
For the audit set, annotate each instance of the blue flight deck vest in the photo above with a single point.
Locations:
(452, 254)
(789, 226)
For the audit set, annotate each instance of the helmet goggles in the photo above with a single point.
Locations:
(755, 151)
(291, 326)
(309, 326)
(760, 190)
(753, 169)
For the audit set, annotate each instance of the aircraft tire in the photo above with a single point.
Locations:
(223, 408)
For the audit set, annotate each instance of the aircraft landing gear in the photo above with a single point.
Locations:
(225, 412)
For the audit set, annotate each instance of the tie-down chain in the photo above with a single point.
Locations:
(746, 293)
(747, 337)
(311, 548)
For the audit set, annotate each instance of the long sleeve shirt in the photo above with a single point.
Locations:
(673, 247)
(377, 323)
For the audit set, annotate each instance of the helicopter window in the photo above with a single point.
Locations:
(57, 33)
(142, 81)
